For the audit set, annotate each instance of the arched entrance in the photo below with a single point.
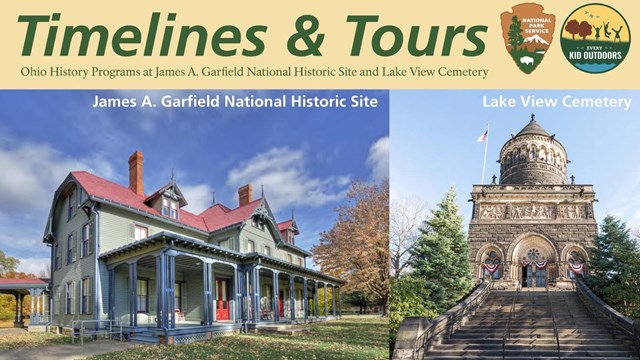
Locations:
(533, 260)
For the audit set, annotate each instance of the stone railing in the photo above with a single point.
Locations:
(416, 333)
(602, 311)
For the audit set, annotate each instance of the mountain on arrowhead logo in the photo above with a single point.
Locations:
(527, 32)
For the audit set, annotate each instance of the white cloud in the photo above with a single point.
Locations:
(287, 180)
(35, 265)
(198, 196)
(31, 173)
(378, 159)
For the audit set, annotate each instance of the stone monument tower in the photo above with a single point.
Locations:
(534, 226)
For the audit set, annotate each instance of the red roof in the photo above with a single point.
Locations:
(7, 281)
(219, 216)
(213, 218)
(284, 225)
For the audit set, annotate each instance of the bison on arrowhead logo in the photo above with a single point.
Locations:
(527, 33)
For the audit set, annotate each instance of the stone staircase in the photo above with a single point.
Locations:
(531, 333)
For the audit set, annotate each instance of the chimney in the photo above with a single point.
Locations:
(135, 173)
(244, 195)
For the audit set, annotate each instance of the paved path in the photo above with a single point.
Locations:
(69, 351)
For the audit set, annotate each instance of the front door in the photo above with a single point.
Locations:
(541, 277)
(281, 303)
(222, 305)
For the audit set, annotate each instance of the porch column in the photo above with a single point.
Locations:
(276, 296)
(237, 285)
(256, 294)
(292, 299)
(247, 294)
(133, 294)
(305, 299)
(171, 284)
(333, 299)
(316, 308)
(112, 294)
(340, 302)
(17, 296)
(32, 295)
(214, 297)
(207, 318)
(21, 317)
(326, 301)
(161, 313)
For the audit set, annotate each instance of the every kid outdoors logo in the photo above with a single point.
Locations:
(527, 32)
(595, 38)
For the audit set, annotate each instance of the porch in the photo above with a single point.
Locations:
(186, 290)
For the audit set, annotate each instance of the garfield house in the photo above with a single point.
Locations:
(172, 276)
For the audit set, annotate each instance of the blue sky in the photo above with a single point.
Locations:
(433, 144)
(304, 157)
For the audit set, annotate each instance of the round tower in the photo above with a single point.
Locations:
(533, 157)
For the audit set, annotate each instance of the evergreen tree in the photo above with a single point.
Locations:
(615, 267)
(515, 33)
(441, 255)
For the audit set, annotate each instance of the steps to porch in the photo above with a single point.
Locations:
(531, 333)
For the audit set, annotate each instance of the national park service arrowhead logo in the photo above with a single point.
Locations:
(527, 33)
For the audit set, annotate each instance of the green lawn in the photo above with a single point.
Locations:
(353, 338)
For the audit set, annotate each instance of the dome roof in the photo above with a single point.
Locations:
(533, 157)
(533, 128)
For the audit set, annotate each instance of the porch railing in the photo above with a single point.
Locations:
(94, 328)
(553, 318)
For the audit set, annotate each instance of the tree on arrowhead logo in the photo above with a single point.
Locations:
(527, 32)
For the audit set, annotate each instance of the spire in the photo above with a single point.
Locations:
(262, 190)
(533, 128)
(213, 198)
(173, 177)
(292, 215)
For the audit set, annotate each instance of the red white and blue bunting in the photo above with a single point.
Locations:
(538, 264)
(491, 267)
(576, 268)
(541, 264)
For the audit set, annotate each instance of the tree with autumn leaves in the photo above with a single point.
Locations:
(356, 248)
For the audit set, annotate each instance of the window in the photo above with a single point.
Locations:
(257, 223)
(174, 209)
(143, 295)
(491, 266)
(576, 265)
(165, 206)
(69, 249)
(85, 239)
(57, 256)
(68, 298)
(251, 246)
(169, 208)
(71, 205)
(141, 232)
(85, 296)
(290, 258)
(267, 250)
(299, 261)
(177, 296)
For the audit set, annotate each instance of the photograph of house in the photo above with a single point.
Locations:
(185, 224)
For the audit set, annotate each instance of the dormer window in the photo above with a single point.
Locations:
(170, 208)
